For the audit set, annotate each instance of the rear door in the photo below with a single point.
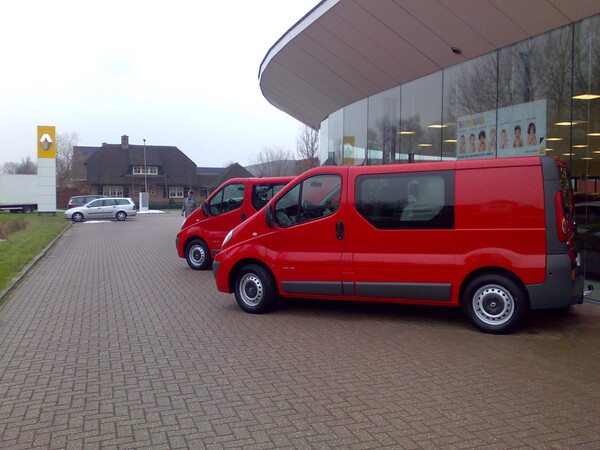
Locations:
(307, 241)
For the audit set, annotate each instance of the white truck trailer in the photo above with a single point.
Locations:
(19, 193)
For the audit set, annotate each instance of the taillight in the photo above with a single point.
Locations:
(134, 206)
(563, 225)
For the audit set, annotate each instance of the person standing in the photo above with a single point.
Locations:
(189, 204)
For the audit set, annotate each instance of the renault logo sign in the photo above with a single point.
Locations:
(45, 144)
(46, 141)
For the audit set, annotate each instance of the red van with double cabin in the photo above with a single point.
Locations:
(230, 204)
(493, 236)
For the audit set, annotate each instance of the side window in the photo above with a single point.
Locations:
(109, 202)
(313, 198)
(262, 193)
(122, 201)
(96, 203)
(227, 199)
(422, 200)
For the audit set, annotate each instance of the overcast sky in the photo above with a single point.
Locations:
(181, 73)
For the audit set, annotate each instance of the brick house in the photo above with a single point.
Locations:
(125, 170)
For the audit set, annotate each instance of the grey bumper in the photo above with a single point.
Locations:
(559, 290)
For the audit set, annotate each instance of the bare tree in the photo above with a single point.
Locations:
(307, 147)
(64, 156)
(26, 166)
(273, 162)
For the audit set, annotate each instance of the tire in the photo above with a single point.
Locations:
(121, 216)
(77, 217)
(27, 209)
(255, 289)
(197, 255)
(495, 304)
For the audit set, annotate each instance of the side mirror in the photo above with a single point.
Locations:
(204, 208)
(269, 216)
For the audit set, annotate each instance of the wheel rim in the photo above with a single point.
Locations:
(120, 216)
(197, 254)
(251, 289)
(493, 304)
(77, 217)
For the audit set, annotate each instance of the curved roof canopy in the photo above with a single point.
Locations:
(345, 50)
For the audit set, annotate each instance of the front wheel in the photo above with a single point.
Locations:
(494, 303)
(197, 255)
(121, 215)
(255, 289)
(77, 217)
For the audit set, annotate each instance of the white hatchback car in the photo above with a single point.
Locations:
(103, 208)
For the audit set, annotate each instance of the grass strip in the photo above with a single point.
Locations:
(22, 246)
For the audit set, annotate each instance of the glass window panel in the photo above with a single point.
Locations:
(534, 95)
(382, 128)
(335, 139)
(585, 160)
(324, 141)
(421, 119)
(470, 99)
(355, 133)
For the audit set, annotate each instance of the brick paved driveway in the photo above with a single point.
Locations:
(111, 341)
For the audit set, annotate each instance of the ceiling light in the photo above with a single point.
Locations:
(587, 157)
(425, 145)
(450, 140)
(593, 134)
(564, 124)
(586, 97)
(437, 125)
(549, 149)
(406, 132)
(579, 146)
(567, 154)
(554, 139)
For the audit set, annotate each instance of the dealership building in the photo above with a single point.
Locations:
(401, 81)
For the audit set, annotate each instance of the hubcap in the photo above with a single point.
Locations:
(493, 304)
(197, 255)
(251, 289)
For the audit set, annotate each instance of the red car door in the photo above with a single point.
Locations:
(402, 225)
(226, 211)
(306, 245)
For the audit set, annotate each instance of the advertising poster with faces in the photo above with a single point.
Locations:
(517, 131)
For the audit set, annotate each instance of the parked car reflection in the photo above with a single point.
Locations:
(587, 216)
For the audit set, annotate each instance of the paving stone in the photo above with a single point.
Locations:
(111, 341)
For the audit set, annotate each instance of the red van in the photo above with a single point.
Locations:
(233, 202)
(494, 236)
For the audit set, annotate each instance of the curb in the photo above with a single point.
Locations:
(29, 265)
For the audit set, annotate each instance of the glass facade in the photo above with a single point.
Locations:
(539, 96)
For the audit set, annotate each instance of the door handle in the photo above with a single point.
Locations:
(339, 230)
(243, 216)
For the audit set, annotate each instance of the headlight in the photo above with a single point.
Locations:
(227, 238)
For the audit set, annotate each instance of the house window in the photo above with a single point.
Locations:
(176, 192)
(147, 170)
(112, 191)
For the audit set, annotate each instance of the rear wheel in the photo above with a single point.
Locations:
(197, 255)
(77, 217)
(495, 303)
(121, 215)
(255, 289)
